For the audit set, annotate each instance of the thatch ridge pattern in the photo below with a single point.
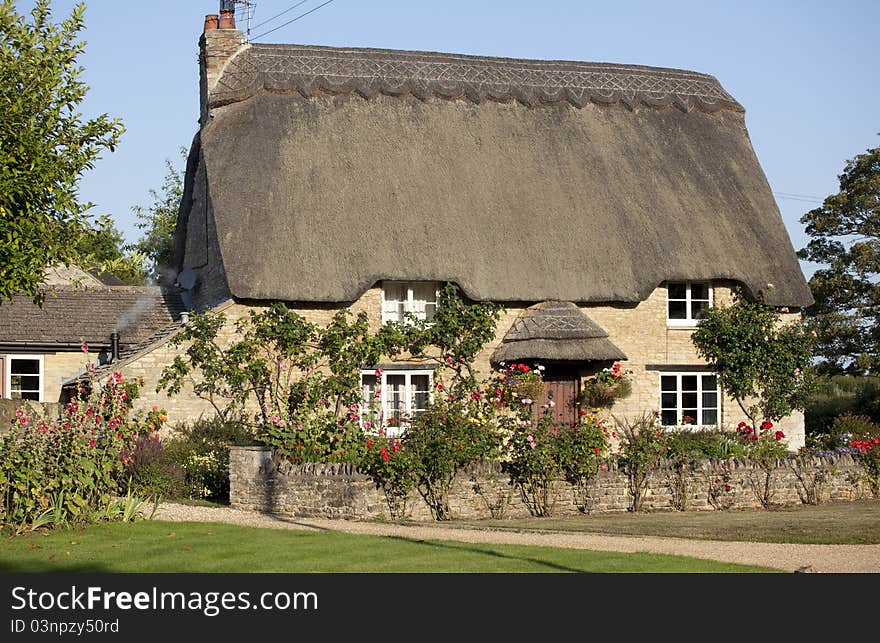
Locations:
(309, 70)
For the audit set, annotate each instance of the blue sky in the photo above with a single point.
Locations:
(806, 72)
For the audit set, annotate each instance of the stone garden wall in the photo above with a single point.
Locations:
(258, 483)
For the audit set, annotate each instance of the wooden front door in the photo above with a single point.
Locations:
(562, 388)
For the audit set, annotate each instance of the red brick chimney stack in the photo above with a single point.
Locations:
(227, 19)
(220, 42)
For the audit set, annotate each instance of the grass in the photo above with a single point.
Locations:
(157, 546)
(844, 523)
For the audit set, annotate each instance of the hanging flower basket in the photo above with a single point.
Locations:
(602, 389)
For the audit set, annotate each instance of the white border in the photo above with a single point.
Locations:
(8, 374)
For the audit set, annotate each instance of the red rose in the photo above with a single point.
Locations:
(766, 425)
(780, 435)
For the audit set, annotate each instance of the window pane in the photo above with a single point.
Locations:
(677, 310)
(395, 397)
(668, 382)
(709, 382)
(710, 417)
(689, 400)
(676, 291)
(24, 366)
(700, 291)
(689, 416)
(699, 309)
(430, 309)
(689, 383)
(710, 400)
(668, 418)
(25, 382)
(425, 292)
(668, 400)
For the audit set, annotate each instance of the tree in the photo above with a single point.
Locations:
(45, 145)
(102, 248)
(160, 219)
(761, 362)
(845, 235)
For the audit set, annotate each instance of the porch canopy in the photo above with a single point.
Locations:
(556, 331)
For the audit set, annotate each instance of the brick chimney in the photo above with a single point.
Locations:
(219, 42)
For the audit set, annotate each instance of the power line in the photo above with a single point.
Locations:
(801, 198)
(811, 197)
(288, 10)
(302, 15)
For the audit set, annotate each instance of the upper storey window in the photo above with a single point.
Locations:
(687, 302)
(416, 297)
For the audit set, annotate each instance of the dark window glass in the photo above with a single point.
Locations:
(689, 383)
(668, 383)
(710, 416)
(669, 418)
(676, 291)
(668, 400)
(700, 291)
(677, 310)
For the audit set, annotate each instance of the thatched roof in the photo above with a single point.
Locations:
(556, 331)
(331, 169)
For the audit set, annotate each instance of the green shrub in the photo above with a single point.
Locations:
(642, 447)
(151, 472)
(201, 451)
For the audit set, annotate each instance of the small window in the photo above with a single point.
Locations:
(416, 297)
(390, 399)
(689, 399)
(24, 377)
(687, 302)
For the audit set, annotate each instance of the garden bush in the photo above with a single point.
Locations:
(60, 471)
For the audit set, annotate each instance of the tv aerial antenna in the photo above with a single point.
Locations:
(244, 13)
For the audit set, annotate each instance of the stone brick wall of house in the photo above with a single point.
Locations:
(59, 367)
(640, 331)
(340, 491)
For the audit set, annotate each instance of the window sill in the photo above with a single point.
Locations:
(685, 324)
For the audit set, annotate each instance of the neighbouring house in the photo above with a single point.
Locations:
(605, 206)
(82, 320)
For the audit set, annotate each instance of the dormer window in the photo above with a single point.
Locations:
(687, 302)
(416, 297)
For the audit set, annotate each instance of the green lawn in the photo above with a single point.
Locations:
(844, 523)
(156, 546)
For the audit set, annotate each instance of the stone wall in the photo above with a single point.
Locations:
(9, 407)
(258, 483)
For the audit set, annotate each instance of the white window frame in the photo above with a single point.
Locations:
(678, 403)
(409, 304)
(11, 357)
(688, 322)
(394, 430)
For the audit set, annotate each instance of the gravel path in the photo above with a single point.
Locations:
(788, 557)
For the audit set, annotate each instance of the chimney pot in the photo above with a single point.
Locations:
(227, 19)
(212, 21)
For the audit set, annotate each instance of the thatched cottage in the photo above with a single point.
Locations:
(605, 206)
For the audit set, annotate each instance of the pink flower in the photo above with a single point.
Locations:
(603, 467)
(368, 425)
(85, 347)
(526, 400)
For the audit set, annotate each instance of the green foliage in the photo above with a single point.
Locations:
(581, 450)
(642, 447)
(696, 445)
(838, 395)
(764, 446)
(863, 439)
(291, 382)
(391, 469)
(451, 434)
(159, 220)
(845, 236)
(757, 357)
(102, 248)
(534, 464)
(64, 470)
(453, 338)
(45, 145)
